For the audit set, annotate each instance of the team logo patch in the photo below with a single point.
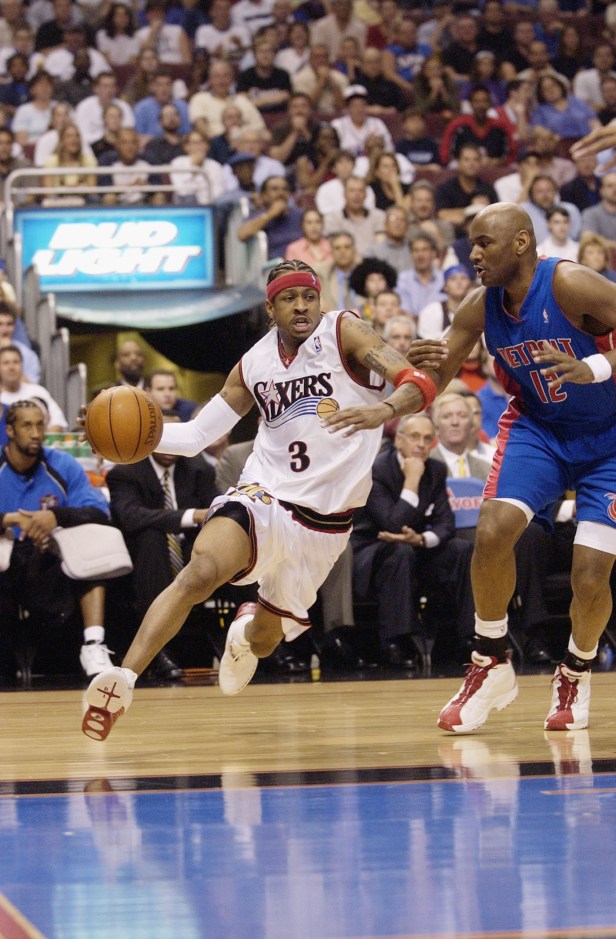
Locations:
(317, 344)
(327, 406)
(611, 509)
(546, 318)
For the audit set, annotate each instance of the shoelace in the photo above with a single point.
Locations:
(238, 651)
(475, 677)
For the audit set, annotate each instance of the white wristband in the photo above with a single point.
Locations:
(599, 366)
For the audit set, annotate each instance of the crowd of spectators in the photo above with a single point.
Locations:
(364, 136)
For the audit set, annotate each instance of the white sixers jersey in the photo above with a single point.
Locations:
(294, 457)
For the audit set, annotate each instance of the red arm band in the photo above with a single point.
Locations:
(412, 376)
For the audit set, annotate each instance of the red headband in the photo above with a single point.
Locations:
(294, 279)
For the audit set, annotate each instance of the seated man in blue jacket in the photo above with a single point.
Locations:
(41, 488)
(403, 540)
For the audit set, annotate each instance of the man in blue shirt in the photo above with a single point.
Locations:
(41, 489)
(147, 111)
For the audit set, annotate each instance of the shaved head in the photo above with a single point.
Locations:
(506, 219)
(504, 249)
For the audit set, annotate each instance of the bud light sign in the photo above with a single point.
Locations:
(116, 249)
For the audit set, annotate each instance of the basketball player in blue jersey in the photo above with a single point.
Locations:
(289, 518)
(548, 325)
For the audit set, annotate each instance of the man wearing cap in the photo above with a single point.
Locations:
(356, 125)
(436, 317)
(249, 141)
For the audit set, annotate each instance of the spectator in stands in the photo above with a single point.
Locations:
(570, 56)
(383, 95)
(515, 111)
(267, 86)
(127, 156)
(459, 56)
(608, 90)
(385, 307)
(368, 279)
(453, 419)
(436, 317)
(601, 218)
(384, 180)
(206, 107)
(312, 248)
(297, 136)
(490, 134)
(479, 444)
(50, 34)
(435, 90)
(69, 153)
(322, 84)
(316, 167)
(331, 29)
(455, 194)
(364, 224)
(419, 149)
(355, 126)
(41, 489)
(493, 398)
(130, 364)
(276, 216)
(494, 31)
(336, 291)
(147, 111)
(23, 42)
(584, 189)
(190, 188)
(422, 282)
(558, 244)
(423, 212)
(15, 91)
(81, 84)
(162, 385)
(542, 196)
(436, 31)
(393, 247)
(375, 148)
(348, 59)
(519, 53)
(89, 113)
(13, 13)
(14, 387)
(546, 142)
(31, 120)
(329, 196)
(30, 360)
(222, 38)
(595, 252)
(404, 537)
(162, 150)
(403, 57)
(116, 38)
(587, 84)
(514, 187)
(112, 122)
(221, 147)
(250, 141)
(295, 55)
(484, 73)
(252, 14)
(61, 64)
(539, 65)
(399, 330)
(172, 45)
(138, 86)
(241, 168)
(560, 112)
(8, 163)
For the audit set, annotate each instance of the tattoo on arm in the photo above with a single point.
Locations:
(381, 359)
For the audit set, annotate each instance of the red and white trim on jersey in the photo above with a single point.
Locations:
(284, 614)
(507, 420)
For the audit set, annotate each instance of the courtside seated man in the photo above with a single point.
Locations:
(289, 518)
(546, 322)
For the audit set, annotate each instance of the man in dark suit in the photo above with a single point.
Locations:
(147, 514)
(404, 537)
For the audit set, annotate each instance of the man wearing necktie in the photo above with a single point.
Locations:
(159, 504)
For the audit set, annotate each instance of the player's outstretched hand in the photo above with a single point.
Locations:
(354, 419)
(601, 138)
(427, 353)
(561, 367)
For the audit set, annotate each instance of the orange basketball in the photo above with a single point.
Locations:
(124, 424)
(327, 406)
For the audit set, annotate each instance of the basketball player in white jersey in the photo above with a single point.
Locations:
(289, 518)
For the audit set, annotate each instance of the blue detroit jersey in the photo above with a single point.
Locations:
(579, 409)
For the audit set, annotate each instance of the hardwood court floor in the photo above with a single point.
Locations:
(306, 811)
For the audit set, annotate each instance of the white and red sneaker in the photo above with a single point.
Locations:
(570, 700)
(238, 663)
(488, 684)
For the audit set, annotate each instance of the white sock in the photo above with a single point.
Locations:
(94, 634)
(586, 656)
(131, 677)
(491, 629)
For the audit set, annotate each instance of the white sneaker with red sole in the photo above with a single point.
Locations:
(570, 706)
(108, 696)
(238, 663)
(489, 685)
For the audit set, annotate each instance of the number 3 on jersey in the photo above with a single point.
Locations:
(300, 460)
